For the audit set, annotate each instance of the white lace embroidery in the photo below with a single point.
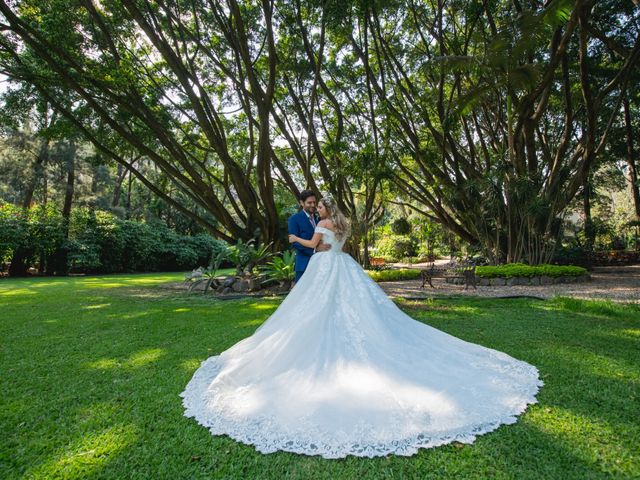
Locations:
(340, 370)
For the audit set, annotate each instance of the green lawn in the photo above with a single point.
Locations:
(91, 369)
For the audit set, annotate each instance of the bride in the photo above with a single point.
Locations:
(339, 369)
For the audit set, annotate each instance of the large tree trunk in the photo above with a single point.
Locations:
(37, 175)
(128, 204)
(117, 188)
(18, 266)
(589, 230)
(58, 263)
(631, 160)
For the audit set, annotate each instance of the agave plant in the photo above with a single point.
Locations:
(209, 274)
(245, 256)
(281, 269)
(258, 255)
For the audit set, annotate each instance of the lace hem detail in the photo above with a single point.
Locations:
(264, 432)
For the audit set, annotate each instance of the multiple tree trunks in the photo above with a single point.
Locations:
(192, 140)
(488, 118)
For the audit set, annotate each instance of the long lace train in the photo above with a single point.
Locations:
(340, 370)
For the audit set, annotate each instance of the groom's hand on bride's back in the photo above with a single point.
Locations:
(323, 247)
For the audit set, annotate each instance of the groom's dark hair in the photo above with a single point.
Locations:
(306, 194)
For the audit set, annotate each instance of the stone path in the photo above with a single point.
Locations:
(619, 284)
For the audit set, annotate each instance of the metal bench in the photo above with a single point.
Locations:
(465, 270)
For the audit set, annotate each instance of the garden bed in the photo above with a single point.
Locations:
(227, 288)
(520, 274)
(265, 291)
(512, 281)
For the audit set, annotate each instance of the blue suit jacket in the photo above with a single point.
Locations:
(300, 226)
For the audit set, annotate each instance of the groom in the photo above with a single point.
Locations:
(303, 224)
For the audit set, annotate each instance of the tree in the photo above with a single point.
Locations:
(486, 116)
(193, 86)
(497, 111)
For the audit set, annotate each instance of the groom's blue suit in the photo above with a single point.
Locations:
(301, 226)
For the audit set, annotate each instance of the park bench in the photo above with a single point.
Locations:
(465, 270)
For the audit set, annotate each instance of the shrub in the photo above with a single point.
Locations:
(281, 269)
(38, 231)
(521, 270)
(393, 275)
(573, 254)
(83, 257)
(100, 242)
(396, 246)
(405, 247)
(418, 259)
(13, 229)
(401, 226)
(246, 256)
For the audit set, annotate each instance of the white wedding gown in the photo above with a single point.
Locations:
(339, 369)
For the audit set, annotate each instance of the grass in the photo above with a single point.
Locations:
(91, 369)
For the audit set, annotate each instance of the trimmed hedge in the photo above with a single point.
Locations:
(393, 275)
(511, 270)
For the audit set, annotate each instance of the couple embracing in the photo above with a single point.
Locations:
(338, 369)
(302, 227)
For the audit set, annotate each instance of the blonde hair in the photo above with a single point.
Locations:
(340, 222)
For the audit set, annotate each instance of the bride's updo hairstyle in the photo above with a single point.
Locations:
(340, 222)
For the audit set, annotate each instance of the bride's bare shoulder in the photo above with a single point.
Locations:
(326, 223)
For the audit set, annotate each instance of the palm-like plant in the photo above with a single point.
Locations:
(258, 255)
(281, 269)
(209, 274)
(245, 256)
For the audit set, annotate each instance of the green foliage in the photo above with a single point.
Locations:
(100, 242)
(456, 121)
(13, 229)
(281, 268)
(396, 247)
(401, 226)
(40, 230)
(219, 255)
(394, 275)
(522, 270)
(572, 254)
(246, 256)
(129, 246)
(427, 238)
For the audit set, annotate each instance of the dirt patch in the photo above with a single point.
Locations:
(619, 284)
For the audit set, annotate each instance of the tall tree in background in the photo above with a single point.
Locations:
(32, 124)
(632, 160)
